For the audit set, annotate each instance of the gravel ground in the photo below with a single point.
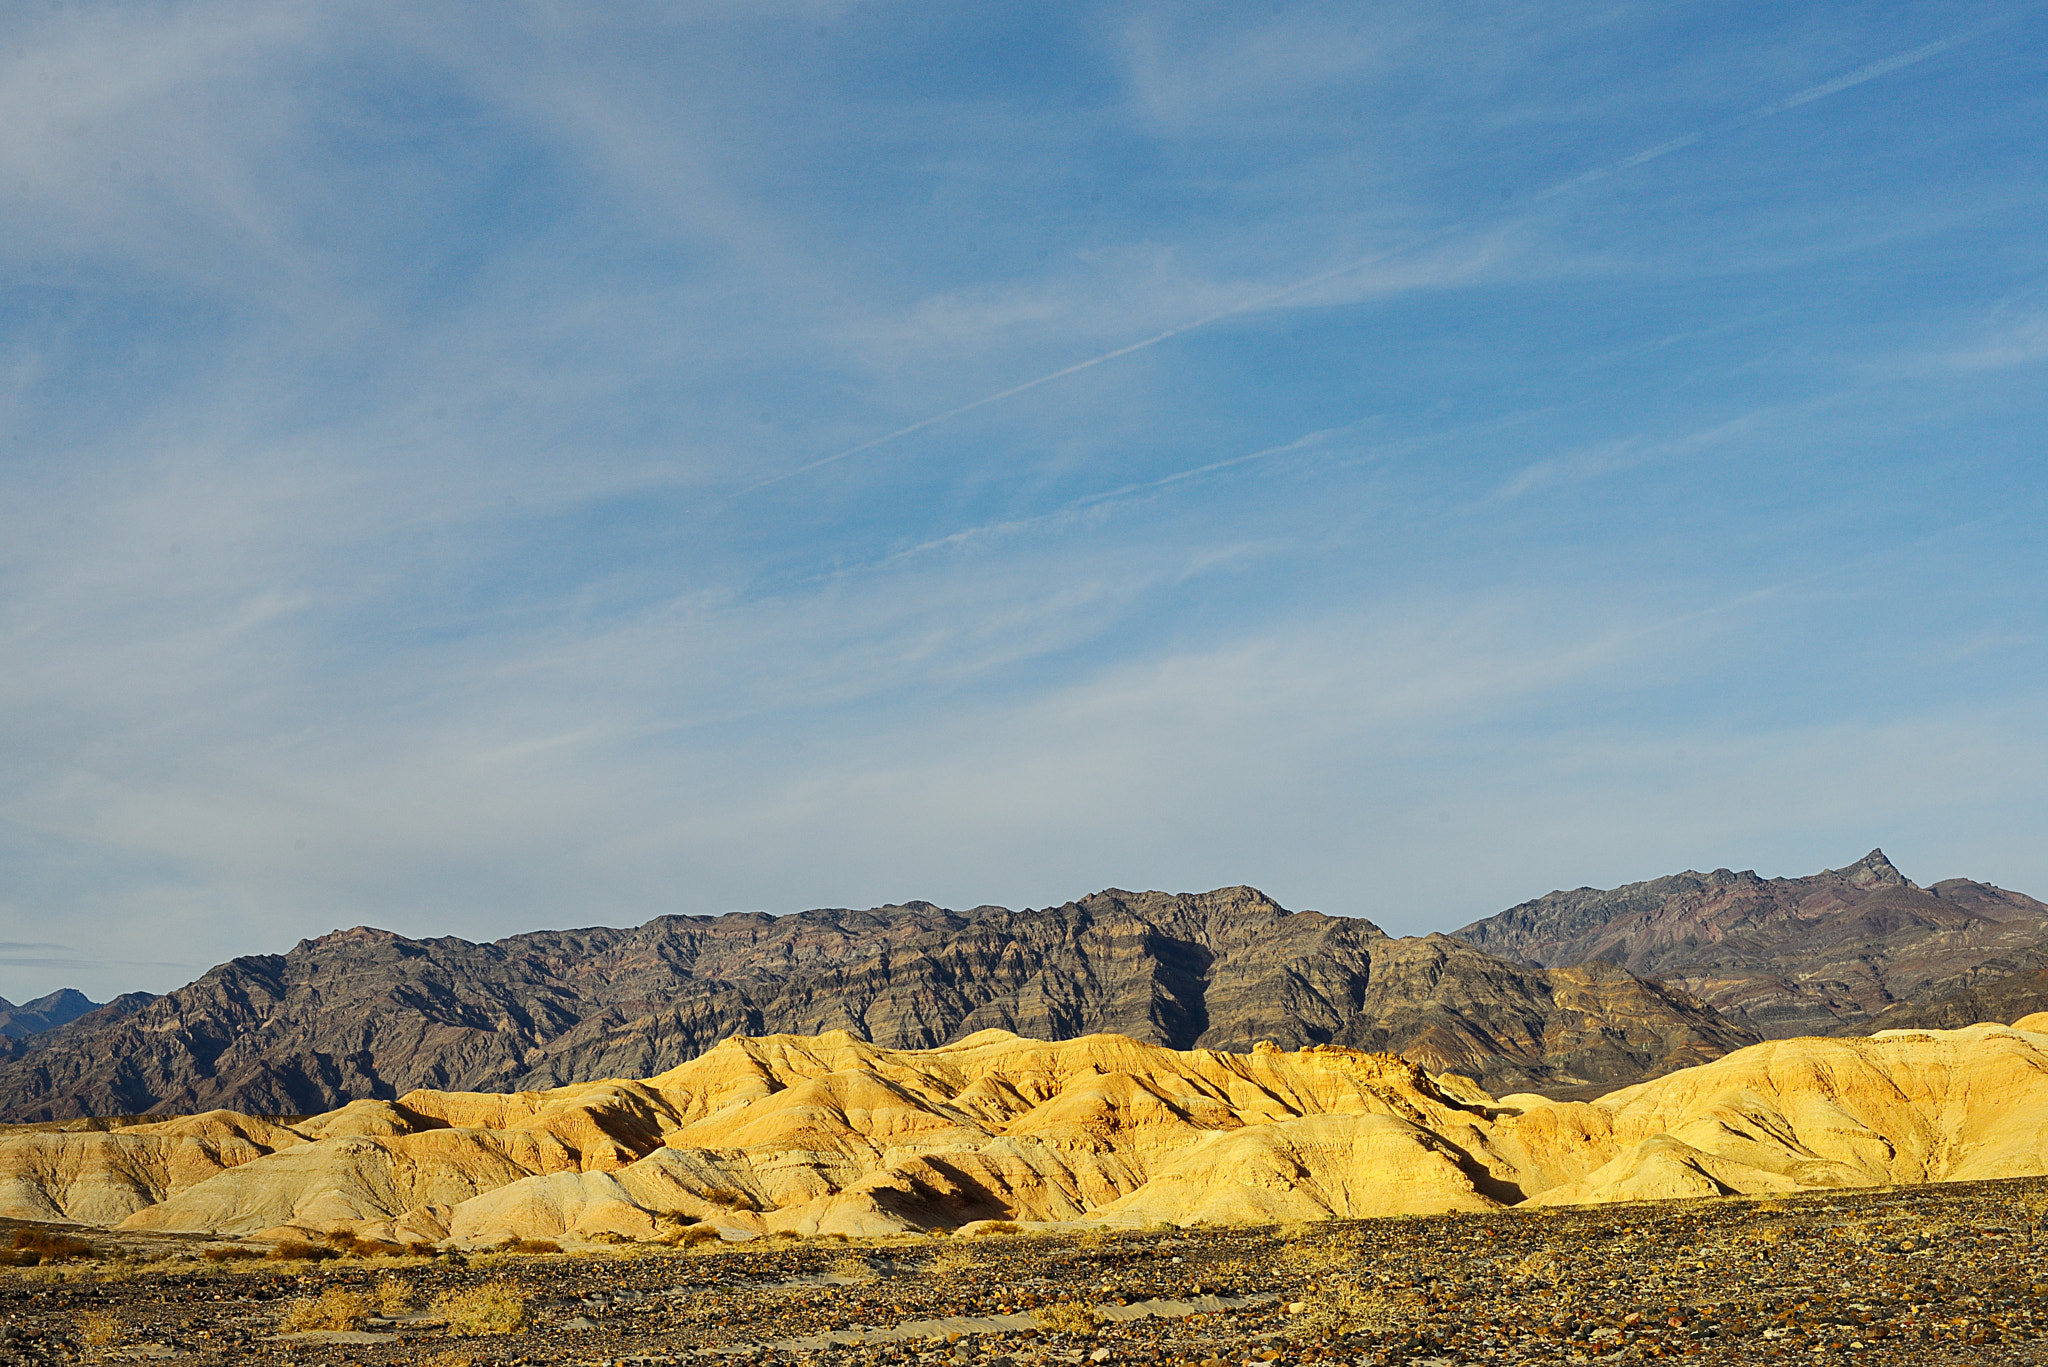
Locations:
(1921, 1275)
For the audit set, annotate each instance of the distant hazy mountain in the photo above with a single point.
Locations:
(44, 1013)
(365, 1013)
(1840, 952)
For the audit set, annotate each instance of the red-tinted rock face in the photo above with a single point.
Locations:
(369, 1014)
(1788, 956)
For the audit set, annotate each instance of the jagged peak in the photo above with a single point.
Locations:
(354, 935)
(1873, 870)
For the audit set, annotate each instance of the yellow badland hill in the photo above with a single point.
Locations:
(829, 1134)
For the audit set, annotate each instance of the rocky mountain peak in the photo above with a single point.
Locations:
(44, 1013)
(1873, 870)
(354, 935)
(1821, 954)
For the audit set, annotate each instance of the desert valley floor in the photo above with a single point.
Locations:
(1944, 1274)
(1003, 1202)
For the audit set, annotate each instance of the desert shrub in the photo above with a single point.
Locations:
(2034, 1207)
(990, 1228)
(493, 1308)
(394, 1297)
(98, 1329)
(377, 1248)
(229, 1253)
(32, 1246)
(685, 1235)
(1311, 1262)
(1067, 1317)
(1341, 1306)
(535, 1246)
(954, 1258)
(292, 1251)
(853, 1268)
(1228, 1275)
(669, 1227)
(339, 1307)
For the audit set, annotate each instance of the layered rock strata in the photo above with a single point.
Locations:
(1826, 954)
(833, 1134)
(368, 1014)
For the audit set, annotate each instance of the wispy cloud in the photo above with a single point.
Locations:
(1311, 289)
(377, 385)
(1627, 453)
(2017, 343)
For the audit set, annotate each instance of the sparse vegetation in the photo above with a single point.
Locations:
(294, 1251)
(394, 1297)
(1631, 1285)
(229, 1253)
(1067, 1317)
(954, 1258)
(338, 1307)
(1228, 1276)
(991, 1228)
(853, 1269)
(683, 1236)
(1341, 1306)
(33, 1246)
(2035, 1204)
(493, 1308)
(99, 1329)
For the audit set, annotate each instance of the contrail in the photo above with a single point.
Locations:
(1883, 67)
(1155, 339)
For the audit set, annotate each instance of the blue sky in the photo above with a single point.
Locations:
(476, 468)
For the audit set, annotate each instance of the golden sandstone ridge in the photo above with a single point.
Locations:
(830, 1134)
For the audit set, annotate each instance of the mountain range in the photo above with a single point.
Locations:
(1844, 951)
(1571, 994)
(368, 1014)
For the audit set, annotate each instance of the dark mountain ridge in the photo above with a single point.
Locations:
(1829, 953)
(61, 1007)
(367, 1013)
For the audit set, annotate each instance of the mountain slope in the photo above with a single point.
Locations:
(1825, 954)
(365, 1013)
(44, 1013)
(2005, 988)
